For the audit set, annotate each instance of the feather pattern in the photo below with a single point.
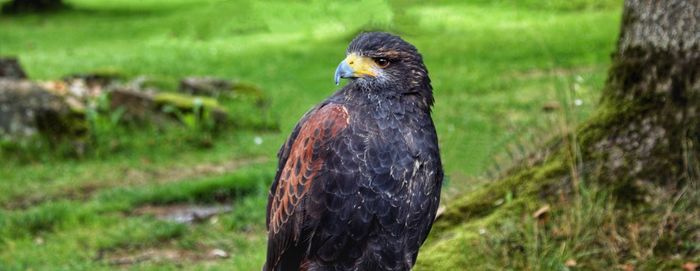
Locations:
(358, 182)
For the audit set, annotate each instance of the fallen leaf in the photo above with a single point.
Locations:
(689, 266)
(541, 211)
(551, 106)
(570, 263)
(626, 267)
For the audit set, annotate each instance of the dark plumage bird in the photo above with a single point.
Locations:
(358, 182)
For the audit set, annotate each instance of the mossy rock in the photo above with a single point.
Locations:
(249, 89)
(11, 68)
(222, 88)
(135, 106)
(27, 109)
(97, 78)
(188, 104)
(154, 82)
(185, 103)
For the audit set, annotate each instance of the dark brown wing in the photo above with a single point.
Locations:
(301, 159)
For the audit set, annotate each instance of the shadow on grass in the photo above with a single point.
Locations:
(9, 10)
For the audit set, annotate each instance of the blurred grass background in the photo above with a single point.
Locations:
(506, 74)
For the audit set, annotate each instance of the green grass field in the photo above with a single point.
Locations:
(494, 66)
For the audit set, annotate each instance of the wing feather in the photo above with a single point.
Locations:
(302, 160)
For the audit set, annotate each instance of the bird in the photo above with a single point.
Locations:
(359, 178)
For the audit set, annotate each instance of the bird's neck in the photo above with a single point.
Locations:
(421, 98)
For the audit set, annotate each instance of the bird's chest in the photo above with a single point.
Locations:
(393, 142)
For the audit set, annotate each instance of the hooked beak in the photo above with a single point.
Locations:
(355, 66)
(342, 71)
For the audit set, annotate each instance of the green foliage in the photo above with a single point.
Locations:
(35, 220)
(103, 123)
(198, 114)
(195, 120)
(593, 230)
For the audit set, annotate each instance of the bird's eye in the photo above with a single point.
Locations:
(382, 62)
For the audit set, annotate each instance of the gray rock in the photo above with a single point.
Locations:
(205, 86)
(140, 106)
(223, 89)
(137, 105)
(27, 109)
(10, 68)
(99, 79)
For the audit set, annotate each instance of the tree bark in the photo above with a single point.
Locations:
(648, 126)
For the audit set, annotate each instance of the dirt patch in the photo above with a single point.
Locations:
(166, 175)
(127, 258)
(130, 176)
(183, 213)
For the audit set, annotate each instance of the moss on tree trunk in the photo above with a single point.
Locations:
(648, 127)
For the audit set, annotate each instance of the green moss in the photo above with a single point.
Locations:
(199, 113)
(185, 103)
(456, 232)
(112, 73)
(66, 124)
(248, 88)
(486, 200)
(457, 247)
(159, 82)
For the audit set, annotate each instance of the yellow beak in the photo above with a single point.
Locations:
(355, 66)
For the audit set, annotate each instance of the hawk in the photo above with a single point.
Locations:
(358, 181)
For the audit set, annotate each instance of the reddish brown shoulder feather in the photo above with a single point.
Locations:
(304, 162)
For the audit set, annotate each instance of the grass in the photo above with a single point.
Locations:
(589, 228)
(494, 66)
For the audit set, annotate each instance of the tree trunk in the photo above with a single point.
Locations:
(648, 126)
(24, 6)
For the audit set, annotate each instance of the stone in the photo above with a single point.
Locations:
(101, 78)
(205, 86)
(137, 106)
(216, 87)
(90, 85)
(160, 107)
(27, 109)
(10, 68)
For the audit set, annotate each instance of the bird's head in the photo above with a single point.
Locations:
(383, 62)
